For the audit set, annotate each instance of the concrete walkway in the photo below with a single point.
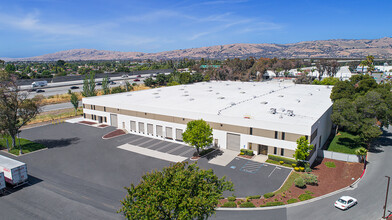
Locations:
(224, 159)
(260, 158)
(152, 153)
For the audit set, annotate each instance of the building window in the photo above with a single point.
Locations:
(276, 135)
(313, 136)
(282, 152)
(283, 135)
(83, 106)
(84, 115)
(275, 150)
(94, 107)
(105, 119)
(104, 109)
(251, 131)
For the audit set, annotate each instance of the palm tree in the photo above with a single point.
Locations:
(361, 152)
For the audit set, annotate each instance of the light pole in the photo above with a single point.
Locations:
(20, 148)
(386, 197)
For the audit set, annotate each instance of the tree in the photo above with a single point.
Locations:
(198, 134)
(117, 89)
(303, 149)
(345, 115)
(89, 86)
(60, 63)
(128, 86)
(180, 191)
(75, 102)
(361, 152)
(10, 68)
(16, 109)
(105, 86)
(342, 89)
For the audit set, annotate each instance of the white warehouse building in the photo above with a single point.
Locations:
(266, 117)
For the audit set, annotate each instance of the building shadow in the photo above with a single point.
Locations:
(32, 180)
(53, 143)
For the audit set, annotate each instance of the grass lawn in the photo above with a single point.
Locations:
(345, 143)
(56, 115)
(289, 182)
(27, 146)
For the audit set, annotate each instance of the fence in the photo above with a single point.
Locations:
(339, 156)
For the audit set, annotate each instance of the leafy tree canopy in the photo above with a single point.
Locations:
(198, 134)
(303, 149)
(180, 191)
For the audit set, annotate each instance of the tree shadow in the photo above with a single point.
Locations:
(32, 180)
(351, 143)
(214, 154)
(53, 143)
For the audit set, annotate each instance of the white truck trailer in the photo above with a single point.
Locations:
(39, 84)
(15, 172)
(2, 183)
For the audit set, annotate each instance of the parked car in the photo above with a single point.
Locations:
(98, 84)
(112, 83)
(139, 75)
(40, 90)
(345, 202)
(74, 87)
(124, 76)
(136, 80)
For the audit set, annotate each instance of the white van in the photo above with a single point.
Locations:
(39, 84)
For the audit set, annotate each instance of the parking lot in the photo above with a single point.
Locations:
(81, 176)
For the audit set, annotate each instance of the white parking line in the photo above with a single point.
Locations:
(145, 142)
(272, 172)
(165, 146)
(187, 151)
(152, 153)
(152, 145)
(174, 149)
(137, 139)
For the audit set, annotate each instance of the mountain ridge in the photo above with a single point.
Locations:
(333, 48)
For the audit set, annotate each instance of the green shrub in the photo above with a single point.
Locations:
(302, 169)
(247, 205)
(308, 169)
(281, 162)
(269, 195)
(284, 159)
(229, 205)
(296, 169)
(309, 192)
(330, 164)
(293, 165)
(299, 182)
(254, 197)
(272, 204)
(231, 198)
(304, 197)
(292, 201)
(243, 150)
(310, 179)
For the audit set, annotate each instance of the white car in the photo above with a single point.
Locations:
(345, 202)
(124, 76)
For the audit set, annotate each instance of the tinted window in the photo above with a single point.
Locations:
(342, 201)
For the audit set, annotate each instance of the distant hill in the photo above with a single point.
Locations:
(340, 48)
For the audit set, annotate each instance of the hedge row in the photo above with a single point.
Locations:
(229, 205)
(269, 195)
(254, 197)
(284, 159)
(247, 205)
(246, 152)
(272, 204)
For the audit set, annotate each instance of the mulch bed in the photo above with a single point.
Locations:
(103, 126)
(88, 122)
(329, 180)
(114, 133)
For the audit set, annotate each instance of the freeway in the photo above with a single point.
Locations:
(370, 192)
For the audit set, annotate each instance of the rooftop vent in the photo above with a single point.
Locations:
(185, 91)
(155, 93)
(281, 96)
(242, 92)
(191, 99)
(217, 93)
(129, 95)
(157, 97)
(290, 113)
(232, 104)
(280, 116)
(210, 90)
(310, 93)
(185, 95)
(282, 109)
(239, 87)
(264, 103)
(273, 110)
(221, 97)
(298, 100)
(182, 89)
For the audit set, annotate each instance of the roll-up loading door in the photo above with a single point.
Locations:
(179, 134)
(233, 142)
(141, 127)
(169, 132)
(150, 129)
(113, 120)
(159, 131)
(133, 126)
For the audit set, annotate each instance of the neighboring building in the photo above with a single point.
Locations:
(267, 117)
(209, 66)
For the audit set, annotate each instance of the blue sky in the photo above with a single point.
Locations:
(37, 27)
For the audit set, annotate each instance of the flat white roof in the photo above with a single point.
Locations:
(237, 103)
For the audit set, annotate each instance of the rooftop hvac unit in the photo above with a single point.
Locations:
(273, 110)
(290, 113)
(232, 104)
(264, 103)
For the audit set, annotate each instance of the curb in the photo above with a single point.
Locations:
(350, 187)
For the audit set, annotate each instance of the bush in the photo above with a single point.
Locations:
(269, 195)
(247, 205)
(281, 162)
(284, 159)
(293, 165)
(310, 179)
(290, 201)
(272, 204)
(296, 169)
(304, 197)
(254, 197)
(229, 205)
(246, 152)
(299, 182)
(302, 169)
(308, 169)
(231, 198)
(242, 153)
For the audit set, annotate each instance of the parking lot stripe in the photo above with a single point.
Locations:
(137, 139)
(272, 172)
(143, 143)
(127, 138)
(174, 149)
(165, 146)
(152, 145)
(187, 151)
